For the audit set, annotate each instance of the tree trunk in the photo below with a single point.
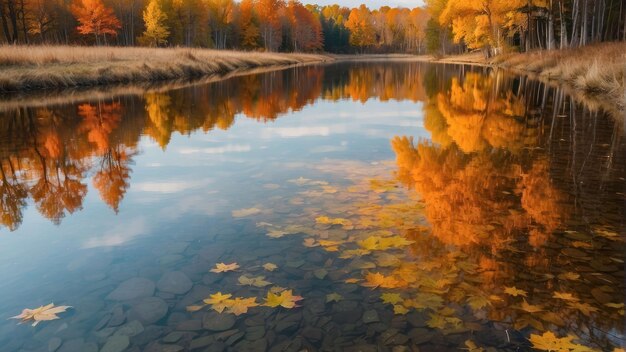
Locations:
(5, 24)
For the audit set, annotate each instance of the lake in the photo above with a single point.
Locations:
(362, 206)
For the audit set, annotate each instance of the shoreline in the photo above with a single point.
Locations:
(42, 70)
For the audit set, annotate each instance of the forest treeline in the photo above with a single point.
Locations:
(441, 26)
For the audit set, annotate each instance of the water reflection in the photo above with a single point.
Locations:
(501, 219)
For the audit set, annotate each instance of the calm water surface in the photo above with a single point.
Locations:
(412, 206)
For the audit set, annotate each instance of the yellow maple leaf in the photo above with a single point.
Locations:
(42, 313)
(222, 268)
(584, 308)
(310, 242)
(436, 321)
(564, 296)
(525, 306)
(258, 281)
(477, 302)
(374, 280)
(333, 297)
(240, 305)
(550, 342)
(472, 347)
(400, 309)
(351, 253)
(514, 291)
(370, 243)
(270, 266)
(218, 301)
(284, 299)
(391, 298)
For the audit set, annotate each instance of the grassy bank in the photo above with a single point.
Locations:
(44, 67)
(594, 70)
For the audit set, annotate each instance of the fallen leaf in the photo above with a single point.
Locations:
(245, 212)
(42, 313)
(391, 298)
(310, 242)
(270, 266)
(333, 297)
(550, 342)
(584, 308)
(477, 302)
(240, 306)
(530, 308)
(218, 301)
(400, 309)
(472, 347)
(374, 280)
(276, 234)
(258, 281)
(514, 291)
(285, 299)
(564, 296)
(222, 268)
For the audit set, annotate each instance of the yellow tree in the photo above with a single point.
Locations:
(157, 31)
(479, 23)
(362, 33)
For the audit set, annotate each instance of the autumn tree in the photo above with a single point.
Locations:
(221, 14)
(305, 28)
(271, 32)
(361, 27)
(249, 29)
(156, 32)
(95, 19)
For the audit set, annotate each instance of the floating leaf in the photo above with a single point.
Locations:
(550, 342)
(42, 313)
(258, 281)
(333, 297)
(584, 308)
(352, 280)
(530, 308)
(472, 347)
(310, 242)
(391, 298)
(245, 212)
(222, 268)
(514, 291)
(240, 306)
(270, 266)
(477, 302)
(218, 301)
(615, 305)
(564, 296)
(285, 299)
(276, 234)
(351, 253)
(374, 280)
(277, 289)
(400, 309)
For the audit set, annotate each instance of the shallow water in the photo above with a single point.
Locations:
(411, 206)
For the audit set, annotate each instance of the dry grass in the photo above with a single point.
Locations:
(42, 67)
(595, 69)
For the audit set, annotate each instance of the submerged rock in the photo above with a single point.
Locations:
(149, 310)
(218, 322)
(137, 287)
(175, 282)
(117, 343)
